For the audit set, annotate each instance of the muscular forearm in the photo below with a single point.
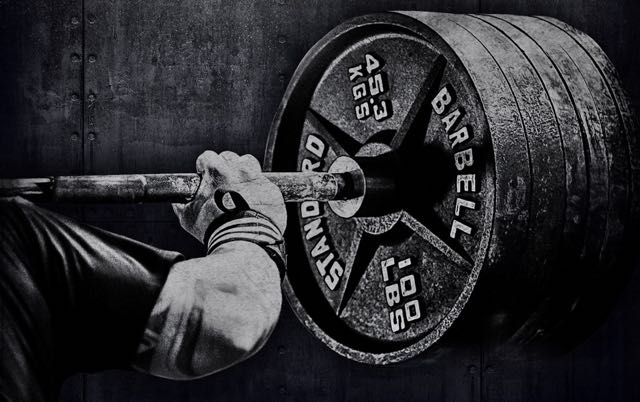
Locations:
(211, 313)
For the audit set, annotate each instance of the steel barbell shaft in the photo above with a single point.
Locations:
(169, 187)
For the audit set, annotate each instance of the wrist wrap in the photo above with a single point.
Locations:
(248, 225)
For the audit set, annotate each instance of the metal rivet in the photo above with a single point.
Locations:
(574, 305)
(282, 390)
(91, 97)
(281, 350)
(92, 58)
(490, 369)
(472, 369)
(75, 20)
(91, 136)
(75, 137)
(282, 77)
(75, 57)
(282, 39)
(75, 97)
(91, 18)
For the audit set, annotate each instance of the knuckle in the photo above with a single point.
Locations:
(250, 159)
(215, 163)
(207, 156)
(229, 155)
(206, 159)
(250, 164)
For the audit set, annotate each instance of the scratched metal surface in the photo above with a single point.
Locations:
(169, 79)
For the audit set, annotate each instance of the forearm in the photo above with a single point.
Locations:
(211, 313)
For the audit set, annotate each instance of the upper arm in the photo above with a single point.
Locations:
(211, 313)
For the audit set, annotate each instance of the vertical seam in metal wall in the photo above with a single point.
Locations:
(82, 82)
(83, 22)
(481, 370)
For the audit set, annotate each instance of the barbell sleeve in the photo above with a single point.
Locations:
(170, 187)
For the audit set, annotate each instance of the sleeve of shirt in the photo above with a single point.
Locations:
(72, 297)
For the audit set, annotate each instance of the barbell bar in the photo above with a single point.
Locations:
(171, 187)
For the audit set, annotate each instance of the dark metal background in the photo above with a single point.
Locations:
(135, 86)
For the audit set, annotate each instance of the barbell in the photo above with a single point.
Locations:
(476, 169)
(167, 187)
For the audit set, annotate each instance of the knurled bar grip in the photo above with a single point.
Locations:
(169, 187)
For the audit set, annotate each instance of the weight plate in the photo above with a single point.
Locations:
(537, 269)
(601, 288)
(610, 75)
(611, 132)
(570, 134)
(477, 135)
(381, 289)
(576, 183)
(595, 150)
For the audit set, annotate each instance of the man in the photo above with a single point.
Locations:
(76, 298)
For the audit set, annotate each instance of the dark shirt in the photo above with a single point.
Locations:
(73, 298)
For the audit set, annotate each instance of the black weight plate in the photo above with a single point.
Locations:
(596, 150)
(572, 141)
(562, 290)
(610, 131)
(340, 269)
(622, 100)
(516, 91)
(601, 289)
(547, 208)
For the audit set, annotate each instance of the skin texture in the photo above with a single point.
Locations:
(217, 310)
(229, 172)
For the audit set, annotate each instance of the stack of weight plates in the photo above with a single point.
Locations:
(514, 207)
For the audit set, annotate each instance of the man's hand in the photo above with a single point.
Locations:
(229, 172)
(218, 310)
